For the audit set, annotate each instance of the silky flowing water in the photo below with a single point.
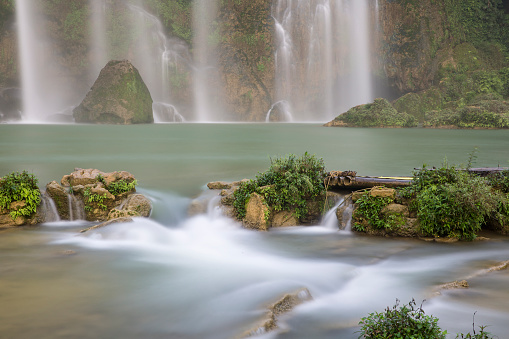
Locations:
(174, 276)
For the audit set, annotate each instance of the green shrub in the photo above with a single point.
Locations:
(369, 209)
(380, 113)
(17, 187)
(500, 181)
(405, 322)
(286, 185)
(454, 203)
(121, 186)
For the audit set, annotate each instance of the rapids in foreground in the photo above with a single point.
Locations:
(174, 276)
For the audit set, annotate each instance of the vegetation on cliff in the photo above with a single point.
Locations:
(287, 185)
(448, 59)
(380, 113)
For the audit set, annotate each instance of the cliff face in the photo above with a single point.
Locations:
(246, 57)
(419, 37)
(419, 47)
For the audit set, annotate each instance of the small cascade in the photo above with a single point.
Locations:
(330, 220)
(48, 208)
(166, 113)
(76, 208)
(346, 216)
(213, 208)
(323, 55)
(280, 112)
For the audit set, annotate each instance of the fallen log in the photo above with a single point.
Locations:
(365, 182)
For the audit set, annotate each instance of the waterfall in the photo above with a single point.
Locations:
(323, 55)
(76, 208)
(156, 56)
(48, 208)
(206, 73)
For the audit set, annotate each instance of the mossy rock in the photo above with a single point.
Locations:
(417, 104)
(380, 113)
(119, 96)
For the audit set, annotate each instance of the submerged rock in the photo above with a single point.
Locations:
(282, 306)
(118, 96)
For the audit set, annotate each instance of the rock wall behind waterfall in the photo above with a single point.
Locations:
(417, 38)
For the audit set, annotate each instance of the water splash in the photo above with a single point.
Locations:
(166, 113)
(48, 208)
(280, 111)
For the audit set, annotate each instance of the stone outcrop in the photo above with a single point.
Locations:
(259, 216)
(92, 188)
(6, 220)
(118, 96)
(274, 311)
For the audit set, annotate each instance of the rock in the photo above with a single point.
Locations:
(380, 113)
(118, 96)
(357, 195)
(383, 192)
(81, 177)
(60, 198)
(396, 209)
(109, 178)
(102, 192)
(219, 185)
(196, 207)
(106, 223)
(282, 306)
(284, 219)
(116, 214)
(256, 212)
(139, 204)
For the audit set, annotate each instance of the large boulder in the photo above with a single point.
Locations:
(118, 96)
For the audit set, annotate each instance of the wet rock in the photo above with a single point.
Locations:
(256, 213)
(116, 214)
(396, 209)
(284, 219)
(118, 96)
(60, 197)
(282, 306)
(197, 207)
(106, 223)
(383, 192)
(139, 204)
(219, 185)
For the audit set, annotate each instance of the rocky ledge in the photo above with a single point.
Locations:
(85, 194)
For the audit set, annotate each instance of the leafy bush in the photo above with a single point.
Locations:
(454, 203)
(286, 185)
(17, 187)
(500, 181)
(121, 186)
(401, 322)
(369, 209)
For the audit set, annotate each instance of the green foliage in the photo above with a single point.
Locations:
(500, 181)
(91, 198)
(18, 187)
(405, 322)
(121, 186)
(369, 209)
(286, 185)
(454, 203)
(482, 334)
(380, 113)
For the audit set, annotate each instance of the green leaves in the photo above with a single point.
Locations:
(369, 209)
(286, 185)
(20, 187)
(408, 322)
